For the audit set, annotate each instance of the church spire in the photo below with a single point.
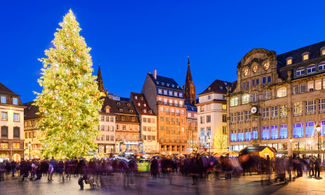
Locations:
(100, 81)
(189, 90)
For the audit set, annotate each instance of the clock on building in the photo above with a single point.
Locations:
(254, 110)
(266, 65)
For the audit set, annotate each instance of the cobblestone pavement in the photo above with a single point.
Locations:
(143, 184)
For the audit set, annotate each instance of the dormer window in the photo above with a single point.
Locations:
(289, 61)
(305, 56)
(144, 110)
(136, 97)
(121, 110)
(3, 100)
(145, 105)
(15, 101)
(139, 104)
(322, 51)
(107, 109)
(131, 111)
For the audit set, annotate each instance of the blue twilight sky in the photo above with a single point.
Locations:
(130, 38)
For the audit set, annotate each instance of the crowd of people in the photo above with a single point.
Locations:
(196, 166)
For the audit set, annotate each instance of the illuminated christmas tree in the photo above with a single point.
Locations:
(70, 99)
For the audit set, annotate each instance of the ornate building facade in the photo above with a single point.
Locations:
(148, 124)
(279, 100)
(166, 98)
(12, 125)
(212, 117)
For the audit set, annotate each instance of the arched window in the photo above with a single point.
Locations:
(289, 60)
(281, 92)
(321, 66)
(4, 132)
(16, 132)
(311, 69)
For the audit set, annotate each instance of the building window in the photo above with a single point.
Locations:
(300, 71)
(165, 92)
(3, 100)
(298, 130)
(16, 145)
(263, 80)
(233, 136)
(274, 112)
(16, 117)
(224, 106)
(269, 79)
(208, 118)
(16, 132)
(274, 132)
(253, 83)
(323, 51)
(266, 95)
(4, 116)
(311, 69)
(4, 132)
(248, 135)
(224, 130)
(265, 133)
(15, 101)
(245, 99)
(305, 56)
(303, 87)
(254, 134)
(321, 106)
(265, 113)
(297, 109)
(254, 97)
(240, 136)
(4, 146)
(281, 92)
(257, 82)
(283, 132)
(310, 107)
(323, 127)
(283, 111)
(310, 129)
(321, 66)
(295, 89)
(234, 101)
(289, 61)
(224, 118)
(171, 93)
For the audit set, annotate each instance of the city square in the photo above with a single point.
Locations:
(162, 97)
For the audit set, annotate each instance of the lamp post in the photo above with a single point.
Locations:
(318, 132)
(29, 147)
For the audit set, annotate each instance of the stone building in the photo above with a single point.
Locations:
(166, 98)
(32, 134)
(12, 125)
(106, 140)
(212, 117)
(148, 124)
(127, 131)
(279, 100)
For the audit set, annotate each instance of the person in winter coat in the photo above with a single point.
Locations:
(154, 168)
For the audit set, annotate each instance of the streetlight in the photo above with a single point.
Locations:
(29, 147)
(318, 132)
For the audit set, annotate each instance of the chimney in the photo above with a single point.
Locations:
(154, 74)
